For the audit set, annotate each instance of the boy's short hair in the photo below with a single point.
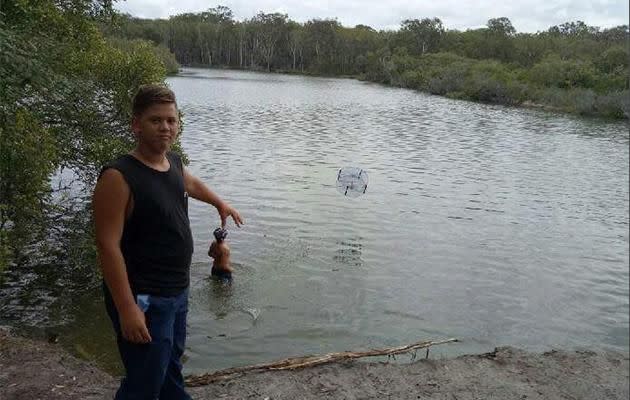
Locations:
(148, 95)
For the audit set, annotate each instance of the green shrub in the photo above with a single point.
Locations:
(450, 79)
(613, 59)
(565, 74)
(615, 104)
(413, 79)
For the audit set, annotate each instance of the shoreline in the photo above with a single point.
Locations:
(524, 105)
(34, 369)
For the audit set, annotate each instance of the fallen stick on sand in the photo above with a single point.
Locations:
(308, 361)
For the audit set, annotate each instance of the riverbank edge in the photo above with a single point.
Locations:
(524, 105)
(33, 369)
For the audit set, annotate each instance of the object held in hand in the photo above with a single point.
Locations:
(352, 181)
(220, 234)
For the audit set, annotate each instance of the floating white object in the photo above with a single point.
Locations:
(352, 181)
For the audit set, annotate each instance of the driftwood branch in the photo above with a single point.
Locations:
(307, 361)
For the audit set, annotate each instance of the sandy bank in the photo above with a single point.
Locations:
(39, 370)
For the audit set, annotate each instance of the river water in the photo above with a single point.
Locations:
(493, 225)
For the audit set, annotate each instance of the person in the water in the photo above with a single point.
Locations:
(220, 252)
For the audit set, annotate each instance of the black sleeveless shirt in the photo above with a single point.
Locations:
(157, 242)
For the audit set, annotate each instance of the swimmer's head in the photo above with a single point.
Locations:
(220, 234)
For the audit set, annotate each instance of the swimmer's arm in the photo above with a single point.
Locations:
(109, 202)
(198, 190)
(212, 251)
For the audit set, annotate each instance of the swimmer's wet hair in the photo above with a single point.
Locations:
(220, 234)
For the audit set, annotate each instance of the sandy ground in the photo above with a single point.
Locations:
(31, 370)
(38, 370)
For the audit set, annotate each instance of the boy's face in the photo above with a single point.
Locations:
(157, 126)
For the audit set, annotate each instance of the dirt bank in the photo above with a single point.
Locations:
(38, 370)
(31, 370)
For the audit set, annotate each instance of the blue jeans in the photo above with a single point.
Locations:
(154, 370)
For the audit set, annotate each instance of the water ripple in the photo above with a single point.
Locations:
(496, 224)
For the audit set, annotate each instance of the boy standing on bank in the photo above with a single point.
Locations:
(144, 242)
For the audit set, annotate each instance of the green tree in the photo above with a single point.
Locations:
(64, 104)
(272, 28)
(321, 44)
(501, 26)
(295, 40)
(427, 33)
(573, 29)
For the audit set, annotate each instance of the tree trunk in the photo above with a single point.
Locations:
(240, 52)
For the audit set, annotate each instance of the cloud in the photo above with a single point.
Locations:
(526, 15)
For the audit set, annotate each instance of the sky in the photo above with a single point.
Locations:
(526, 15)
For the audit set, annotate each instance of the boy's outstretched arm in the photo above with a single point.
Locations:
(198, 190)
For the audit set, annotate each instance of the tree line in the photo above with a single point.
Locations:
(572, 67)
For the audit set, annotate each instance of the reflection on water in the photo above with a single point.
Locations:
(348, 253)
(219, 296)
(495, 225)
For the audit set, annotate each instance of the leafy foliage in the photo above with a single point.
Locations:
(65, 97)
